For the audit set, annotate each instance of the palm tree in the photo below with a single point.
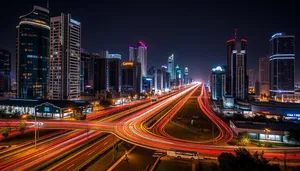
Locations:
(293, 135)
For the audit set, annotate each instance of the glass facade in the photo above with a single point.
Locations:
(33, 49)
(282, 64)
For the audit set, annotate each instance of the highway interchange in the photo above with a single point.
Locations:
(84, 140)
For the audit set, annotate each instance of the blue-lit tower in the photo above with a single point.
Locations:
(282, 64)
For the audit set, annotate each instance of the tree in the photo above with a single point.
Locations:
(293, 135)
(22, 126)
(244, 161)
(244, 138)
(4, 131)
(227, 161)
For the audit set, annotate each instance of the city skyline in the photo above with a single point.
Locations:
(163, 42)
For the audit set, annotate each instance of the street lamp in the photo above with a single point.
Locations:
(267, 131)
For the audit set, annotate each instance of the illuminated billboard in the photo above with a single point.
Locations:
(127, 63)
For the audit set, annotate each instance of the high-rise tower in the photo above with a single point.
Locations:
(171, 67)
(65, 58)
(138, 53)
(282, 64)
(32, 54)
(236, 70)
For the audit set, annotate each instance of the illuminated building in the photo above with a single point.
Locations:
(32, 54)
(237, 46)
(186, 76)
(101, 71)
(251, 81)
(159, 80)
(178, 76)
(239, 78)
(5, 70)
(218, 83)
(171, 67)
(65, 58)
(131, 77)
(138, 53)
(263, 76)
(282, 64)
(153, 75)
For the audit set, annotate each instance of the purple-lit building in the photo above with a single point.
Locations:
(138, 53)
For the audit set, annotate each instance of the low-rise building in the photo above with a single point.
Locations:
(46, 108)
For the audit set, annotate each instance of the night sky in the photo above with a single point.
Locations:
(194, 31)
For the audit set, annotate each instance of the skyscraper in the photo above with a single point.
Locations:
(239, 78)
(166, 77)
(32, 54)
(114, 67)
(282, 64)
(65, 58)
(251, 80)
(236, 69)
(263, 76)
(160, 80)
(88, 70)
(5, 70)
(101, 71)
(138, 53)
(186, 76)
(131, 77)
(178, 76)
(218, 83)
(171, 66)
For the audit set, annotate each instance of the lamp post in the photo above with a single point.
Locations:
(35, 129)
(267, 131)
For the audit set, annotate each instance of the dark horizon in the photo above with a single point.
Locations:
(193, 32)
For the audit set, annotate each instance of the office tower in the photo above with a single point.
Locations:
(239, 78)
(178, 76)
(153, 76)
(114, 67)
(282, 64)
(138, 53)
(131, 77)
(32, 54)
(232, 45)
(5, 70)
(218, 83)
(236, 69)
(166, 77)
(101, 74)
(160, 80)
(171, 66)
(251, 80)
(186, 76)
(88, 70)
(263, 76)
(65, 58)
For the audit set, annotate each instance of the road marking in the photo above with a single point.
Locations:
(70, 166)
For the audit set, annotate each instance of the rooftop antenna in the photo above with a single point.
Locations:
(48, 4)
(235, 33)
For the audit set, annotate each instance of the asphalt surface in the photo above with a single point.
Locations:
(139, 159)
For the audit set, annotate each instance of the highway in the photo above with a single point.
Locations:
(130, 128)
(47, 151)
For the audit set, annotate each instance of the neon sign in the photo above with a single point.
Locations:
(127, 63)
(75, 22)
(276, 34)
(292, 115)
